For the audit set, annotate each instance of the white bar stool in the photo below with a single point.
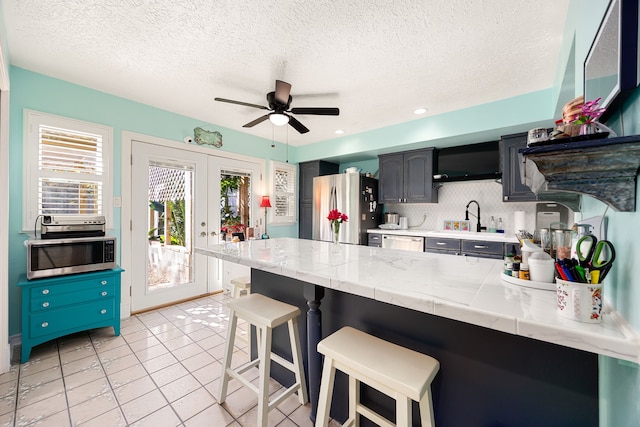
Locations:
(265, 314)
(396, 371)
(241, 284)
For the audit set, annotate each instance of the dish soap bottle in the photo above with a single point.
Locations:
(492, 225)
(500, 227)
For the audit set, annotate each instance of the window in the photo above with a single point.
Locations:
(283, 179)
(67, 168)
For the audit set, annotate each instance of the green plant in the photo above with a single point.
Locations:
(177, 222)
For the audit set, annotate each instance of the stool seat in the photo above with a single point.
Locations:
(239, 284)
(392, 369)
(260, 310)
(265, 314)
(401, 369)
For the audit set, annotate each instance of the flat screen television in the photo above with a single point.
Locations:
(468, 162)
(611, 66)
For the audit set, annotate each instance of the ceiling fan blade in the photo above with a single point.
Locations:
(256, 121)
(246, 104)
(297, 125)
(316, 111)
(283, 90)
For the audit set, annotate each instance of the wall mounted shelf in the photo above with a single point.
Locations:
(606, 169)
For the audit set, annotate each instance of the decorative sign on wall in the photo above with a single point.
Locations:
(205, 137)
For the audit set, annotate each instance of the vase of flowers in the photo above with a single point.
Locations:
(587, 116)
(336, 218)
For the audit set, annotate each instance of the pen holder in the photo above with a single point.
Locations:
(579, 301)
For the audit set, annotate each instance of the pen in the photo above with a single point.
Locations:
(560, 271)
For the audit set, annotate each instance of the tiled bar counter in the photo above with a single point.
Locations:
(506, 357)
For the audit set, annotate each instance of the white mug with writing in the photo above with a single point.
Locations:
(579, 301)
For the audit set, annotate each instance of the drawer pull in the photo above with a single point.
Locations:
(45, 304)
(45, 291)
(103, 311)
(45, 324)
(480, 246)
(104, 282)
(441, 243)
(104, 293)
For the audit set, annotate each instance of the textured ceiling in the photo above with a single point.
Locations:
(375, 60)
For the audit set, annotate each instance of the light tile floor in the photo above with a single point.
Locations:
(163, 370)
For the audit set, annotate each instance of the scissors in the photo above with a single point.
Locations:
(597, 256)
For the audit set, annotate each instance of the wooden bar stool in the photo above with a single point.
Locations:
(241, 284)
(265, 314)
(396, 371)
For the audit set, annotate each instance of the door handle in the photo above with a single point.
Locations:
(203, 234)
(213, 233)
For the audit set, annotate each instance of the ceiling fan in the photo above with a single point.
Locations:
(279, 102)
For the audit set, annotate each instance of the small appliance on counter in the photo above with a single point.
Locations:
(70, 245)
(59, 257)
(63, 226)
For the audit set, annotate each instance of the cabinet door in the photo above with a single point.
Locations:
(418, 176)
(305, 223)
(391, 178)
(513, 190)
(308, 171)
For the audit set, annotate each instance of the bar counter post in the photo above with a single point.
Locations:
(313, 294)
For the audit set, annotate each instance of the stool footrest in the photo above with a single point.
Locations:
(282, 396)
(373, 416)
(283, 362)
(243, 380)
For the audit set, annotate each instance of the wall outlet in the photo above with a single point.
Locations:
(117, 202)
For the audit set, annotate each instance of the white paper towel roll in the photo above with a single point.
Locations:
(518, 221)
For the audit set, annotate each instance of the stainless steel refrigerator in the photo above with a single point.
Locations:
(352, 194)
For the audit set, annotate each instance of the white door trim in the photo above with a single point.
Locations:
(126, 197)
(5, 349)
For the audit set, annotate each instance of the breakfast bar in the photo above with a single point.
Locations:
(506, 357)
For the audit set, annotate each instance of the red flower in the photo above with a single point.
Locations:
(336, 216)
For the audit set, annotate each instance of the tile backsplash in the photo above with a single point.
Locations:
(452, 201)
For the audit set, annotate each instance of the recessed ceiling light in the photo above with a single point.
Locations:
(339, 132)
(419, 111)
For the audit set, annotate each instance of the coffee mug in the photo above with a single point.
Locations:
(579, 301)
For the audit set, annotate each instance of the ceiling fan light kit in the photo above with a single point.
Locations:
(279, 119)
(279, 102)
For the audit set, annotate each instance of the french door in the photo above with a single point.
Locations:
(169, 219)
(182, 200)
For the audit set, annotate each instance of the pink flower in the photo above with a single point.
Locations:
(590, 112)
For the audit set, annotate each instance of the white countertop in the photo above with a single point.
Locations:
(466, 289)
(466, 235)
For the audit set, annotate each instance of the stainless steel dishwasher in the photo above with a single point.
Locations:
(406, 243)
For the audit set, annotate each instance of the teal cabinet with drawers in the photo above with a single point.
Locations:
(63, 305)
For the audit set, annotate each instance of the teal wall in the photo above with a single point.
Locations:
(474, 124)
(41, 93)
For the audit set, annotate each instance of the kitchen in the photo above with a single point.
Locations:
(619, 381)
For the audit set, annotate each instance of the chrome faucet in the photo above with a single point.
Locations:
(466, 215)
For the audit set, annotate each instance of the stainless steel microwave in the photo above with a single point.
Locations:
(58, 257)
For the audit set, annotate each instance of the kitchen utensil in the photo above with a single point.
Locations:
(596, 256)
